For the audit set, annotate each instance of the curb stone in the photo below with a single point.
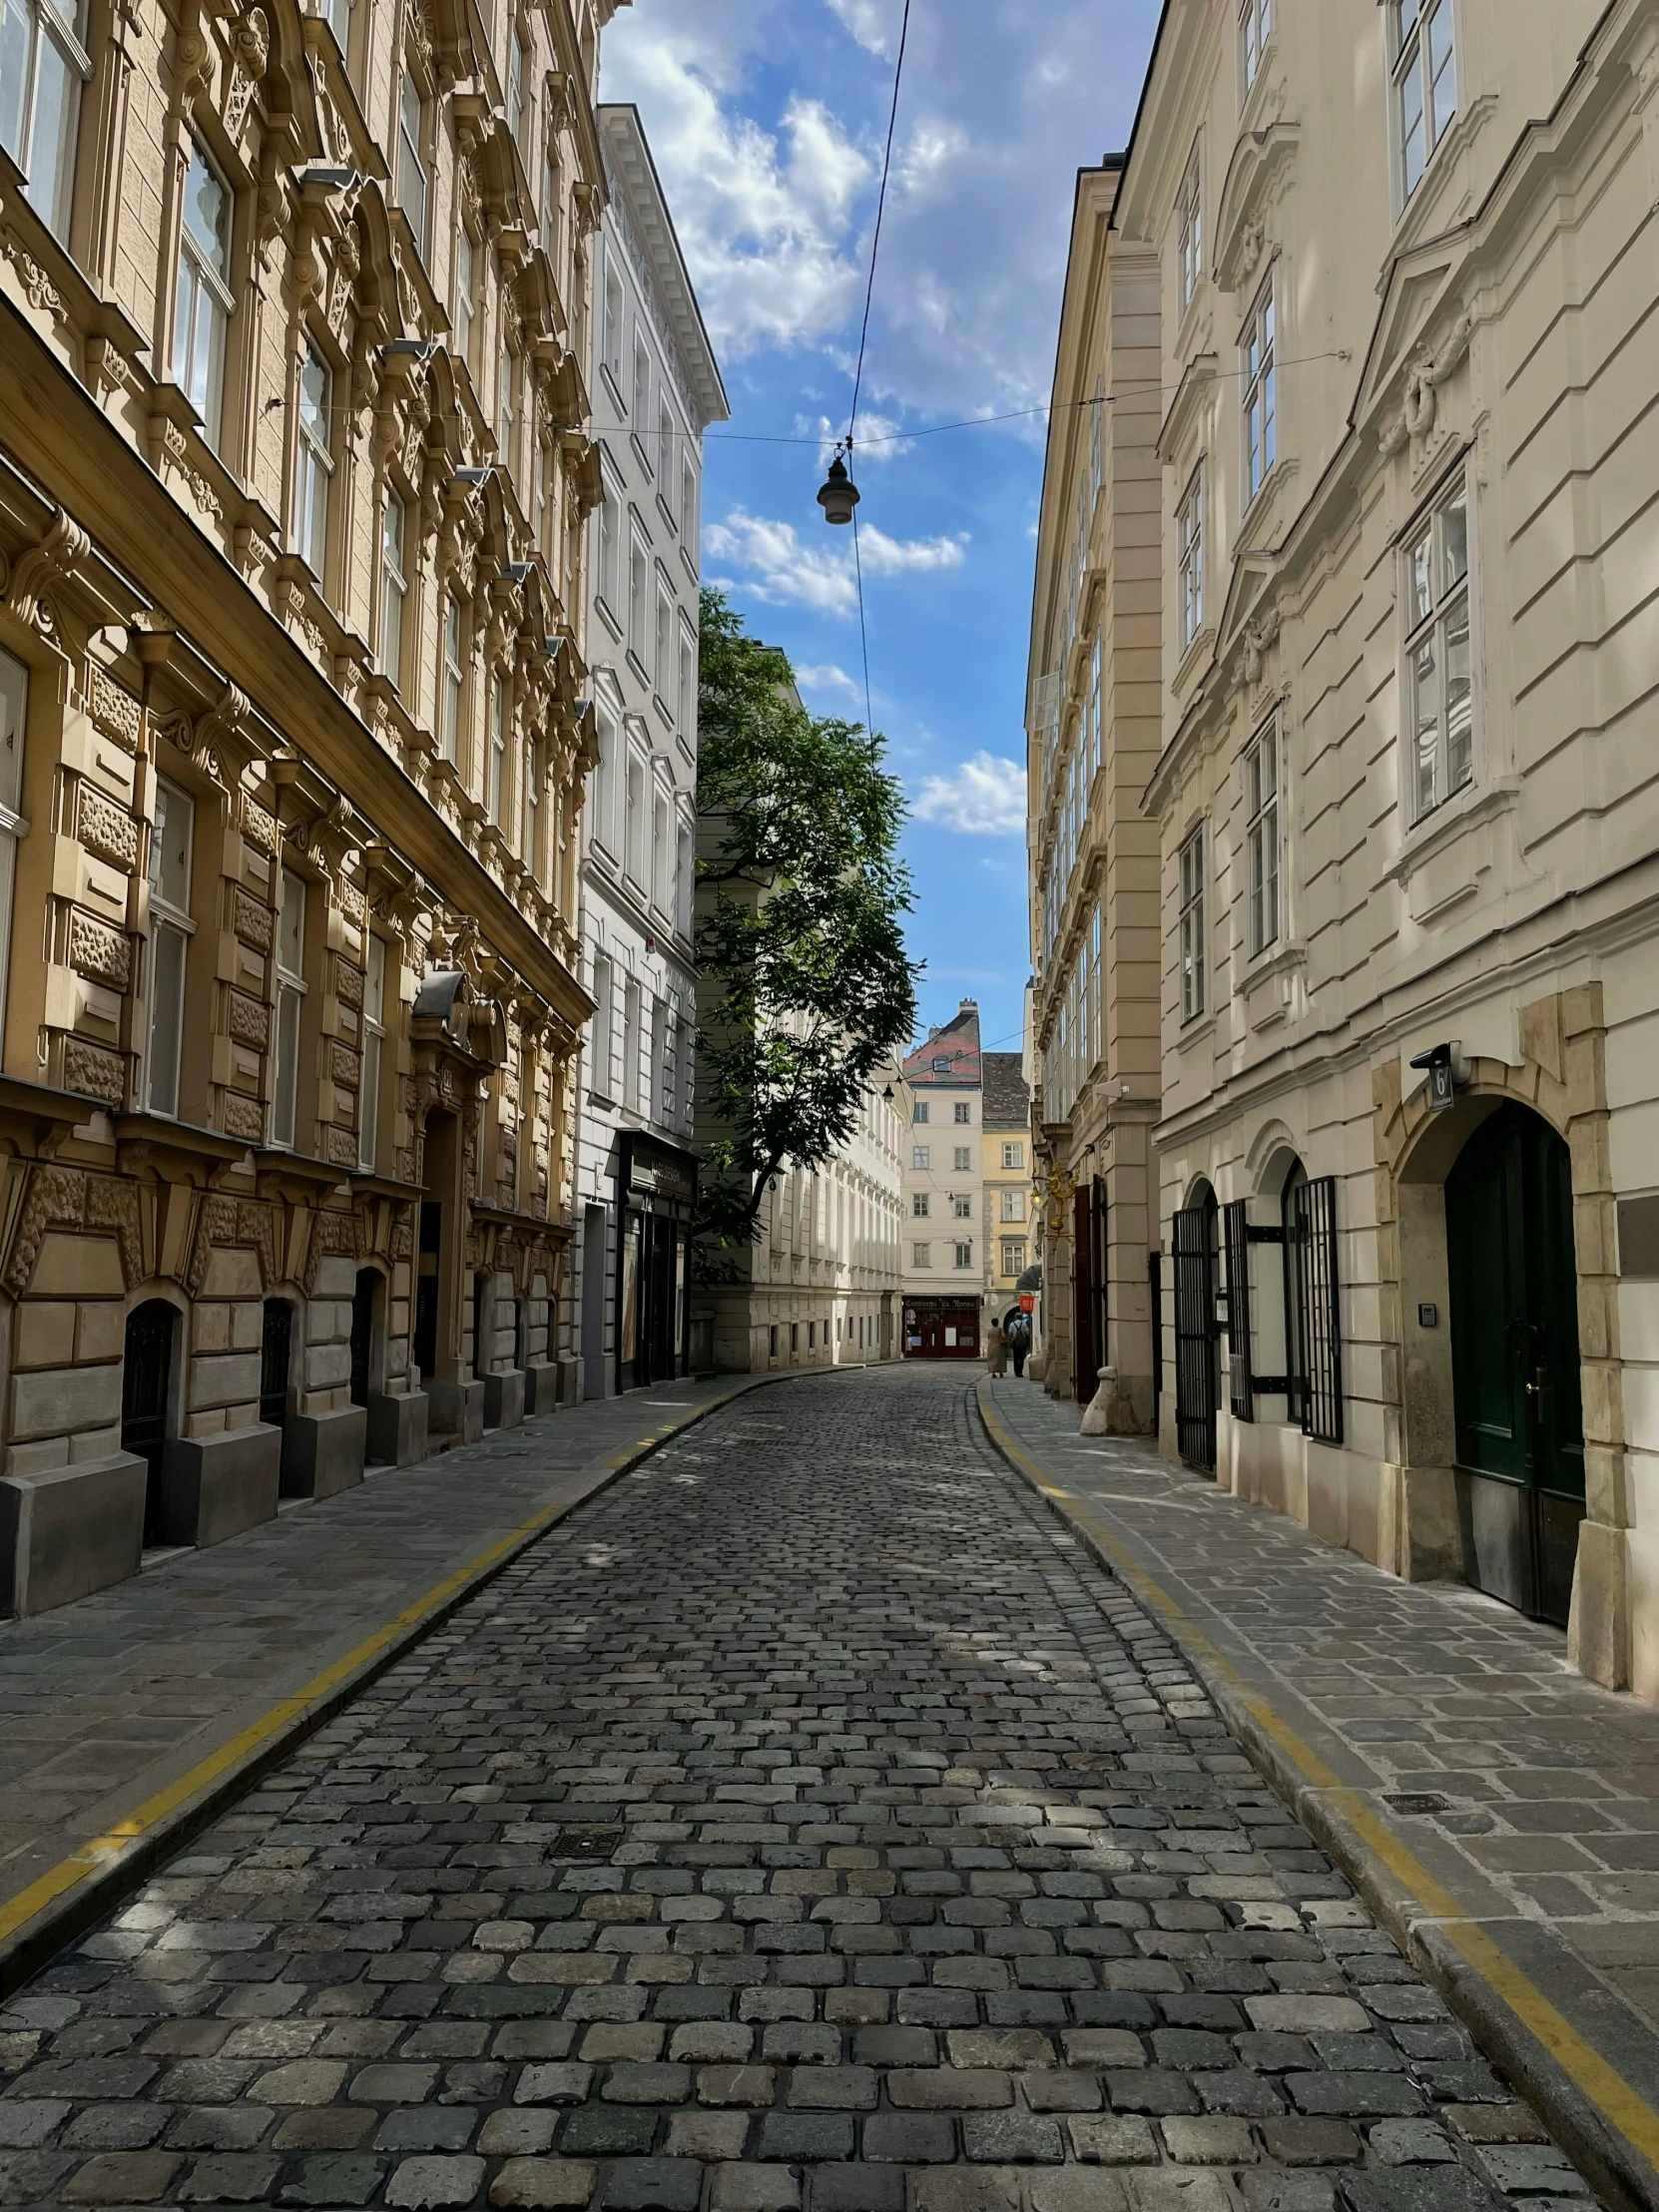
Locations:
(1608, 2157)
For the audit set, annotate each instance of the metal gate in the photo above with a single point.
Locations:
(1315, 1230)
(1195, 1333)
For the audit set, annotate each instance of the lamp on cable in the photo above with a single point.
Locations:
(838, 495)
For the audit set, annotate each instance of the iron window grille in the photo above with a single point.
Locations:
(1192, 1237)
(1312, 1384)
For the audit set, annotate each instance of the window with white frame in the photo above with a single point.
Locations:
(1420, 42)
(373, 1044)
(604, 780)
(610, 553)
(962, 1158)
(202, 311)
(685, 877)
(1260, 795)
(665, 452)
(639, 594)
(922, 1256)
(451, 676)
(43, 66)
(599, 1048)
(662, 854)
(921, 1156)
(14, 701)
(1189, 552)
(169, 934)
(637, 828)
(1013, 1153)
(411, 157)
(466, 294)
(1192, 926)
(685, 708)
(314, 460)
(919, 1205)
(1440, 673)
(663, 672)
(688, 506)
(290, 991)
(611, 320)
(922, 1110)
(1013, 1206)
(641, 409)
(530, 818)
(1013, 1255)
(963, 1111)
(1188, 232)
(507, 394)
(1258, 375)
(518, 105)
(495, 768)
(1255, 29)
(964, 1255)
(961, 1207)
(395, 584)
(550, 201)
(630, 1033)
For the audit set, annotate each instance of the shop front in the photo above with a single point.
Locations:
(656, 1187)
(942, 1328)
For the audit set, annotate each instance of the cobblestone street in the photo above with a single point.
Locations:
(805, 1822)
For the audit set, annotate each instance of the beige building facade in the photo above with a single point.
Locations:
(1005, 1179)
(819, 1284)
(1410, 879)
(944, 1195)
(1093, 732)
(293, 476)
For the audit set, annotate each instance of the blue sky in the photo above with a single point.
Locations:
(766, 119)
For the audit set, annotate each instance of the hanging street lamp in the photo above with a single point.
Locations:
(838, 495)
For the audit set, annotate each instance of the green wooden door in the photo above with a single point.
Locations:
(1514, 1345)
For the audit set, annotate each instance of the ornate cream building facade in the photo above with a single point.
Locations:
(1092, 743)
(1404, 788)
(294, 477)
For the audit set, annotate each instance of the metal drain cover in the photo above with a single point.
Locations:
(586, 1843)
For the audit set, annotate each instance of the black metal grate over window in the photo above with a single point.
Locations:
(1316, 1291)
(1234, 1221)
(1193, 1238)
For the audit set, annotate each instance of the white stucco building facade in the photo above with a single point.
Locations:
(656, 389)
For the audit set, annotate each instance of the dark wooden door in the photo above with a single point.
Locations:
(1085, 1354)
(362, 1332)
(275, 1356)
(1514, 1358)
(425, 1347)
(146, 1387)
(1196, 1392)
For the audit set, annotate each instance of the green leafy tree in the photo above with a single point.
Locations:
(805, 985)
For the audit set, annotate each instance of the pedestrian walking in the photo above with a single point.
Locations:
(996, 1349)
(1018, 1340)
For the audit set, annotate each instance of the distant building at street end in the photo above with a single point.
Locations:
(1093, 739)
(944, 1196)
(1005, 1180)
(1403, 783)
(656, 389)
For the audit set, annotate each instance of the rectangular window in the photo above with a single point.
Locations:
(685, 706)
(1013, 1154)
(313, 462)
(961, 1159)
(599, 1047)
(450, 679)
(631, 1042)
(466, 296)
(170, 933)
(507, 382)
(642, 391)
(663, 673)
(684, 877)
(1259, 377)
(374, 1032)
(394, 586)
(637, 828)
(411, 161)
(1013, 1206)
(964, 1112)
(922, 1256)
(202, 313)
(43, 65)
(1192, 926)
(1189, 234)
(495, 771)
(610, 329)
(1425, 81)
(921, 1156)
(661, 852)
(1189, 546)
(1255, 29)
(964, 1255)
(962, 1208)
(639, 595)
(1261, 780)
(530, 813)
(688, 507)
(603, 789)
(610, 551)
(1013, 1255)
(920, 1204)
(921, 1110)
(1440, 683)
(665, 451)
(291, 990)
(518, 108)
(550, 201)
(14, 701)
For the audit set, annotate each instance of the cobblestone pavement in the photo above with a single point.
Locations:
(805, 1822)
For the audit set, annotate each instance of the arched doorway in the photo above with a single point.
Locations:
(147, 1402)
(1512, 1286)
(1197, 1381)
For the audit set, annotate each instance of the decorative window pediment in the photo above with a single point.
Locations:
(1257, 177)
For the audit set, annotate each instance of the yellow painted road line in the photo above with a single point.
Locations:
(1578, 2058)
(98, 1851)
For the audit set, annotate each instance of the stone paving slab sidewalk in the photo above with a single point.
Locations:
(109, 1708)
(1500, 1812)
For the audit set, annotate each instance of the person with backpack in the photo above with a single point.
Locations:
(1017, 1337)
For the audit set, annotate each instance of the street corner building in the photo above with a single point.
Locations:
(1093, 729)
(1402, 791)
(945, 1275)
(295, 474)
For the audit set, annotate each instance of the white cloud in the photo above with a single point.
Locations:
(985, 797)
(782, 569)
(827, 678)
(873, 23)
(879, 439)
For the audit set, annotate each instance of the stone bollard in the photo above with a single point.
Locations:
(1108, 1413)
